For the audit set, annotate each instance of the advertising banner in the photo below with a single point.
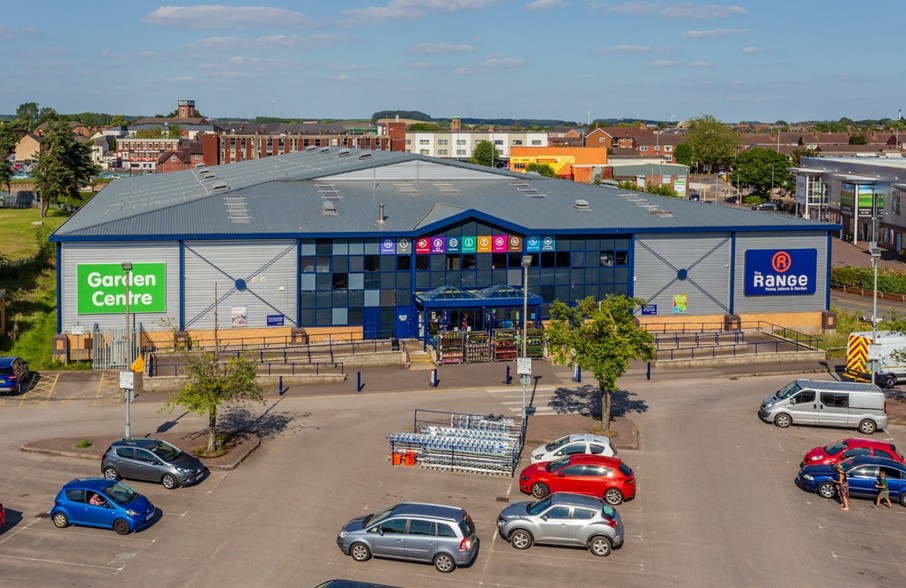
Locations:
(388, 246)
(533, 244)
(422, 246)
(499, 244)
(548, 244)
(469, 244)
(454, 244)
(101, 288)
(484, 244)
(679, 303)
(847, 197)
(780, 272)
(404, 247)
(438, 244)
(866, 197)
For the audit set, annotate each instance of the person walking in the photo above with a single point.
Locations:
(883, 491)
(842, 487)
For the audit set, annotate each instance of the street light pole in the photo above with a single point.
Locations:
(524, 374)
(127, 267)
(875, 254)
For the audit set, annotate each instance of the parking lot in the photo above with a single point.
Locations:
(717, 503)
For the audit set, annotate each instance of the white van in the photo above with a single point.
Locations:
(827, 403)
(867, 351)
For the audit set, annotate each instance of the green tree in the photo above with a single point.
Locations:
(155, 133)
(47, 114)
(683, 154)
(858, 139)
(63, 167)
(713, 143)
(761, 169)
(28, 111)
(118, 120)
(486, 154)
(423, 127)
(600, 337)
(542, 168)
(627, 185)
(211, 383)
(175, 132)
(661, 189)
(798, 154)
(10, 133)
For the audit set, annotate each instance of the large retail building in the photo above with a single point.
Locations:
(390, 244)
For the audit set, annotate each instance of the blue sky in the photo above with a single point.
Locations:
(563, 59)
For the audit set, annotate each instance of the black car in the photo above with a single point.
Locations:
(151, 460)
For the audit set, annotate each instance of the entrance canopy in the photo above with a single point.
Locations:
(501, 295)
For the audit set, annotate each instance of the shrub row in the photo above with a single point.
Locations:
(889, 280)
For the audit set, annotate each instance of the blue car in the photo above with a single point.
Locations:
(861, 474)
(13, 374)
(103, 503)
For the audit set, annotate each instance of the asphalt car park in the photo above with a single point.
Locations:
(717, 502)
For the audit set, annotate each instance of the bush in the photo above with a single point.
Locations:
(889, 280)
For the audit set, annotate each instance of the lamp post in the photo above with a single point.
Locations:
(127, 392)
(523, 364)
(875, 253)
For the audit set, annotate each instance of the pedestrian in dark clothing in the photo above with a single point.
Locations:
(883, 491)
(842, 487)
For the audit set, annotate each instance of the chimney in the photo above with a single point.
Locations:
(380, 219)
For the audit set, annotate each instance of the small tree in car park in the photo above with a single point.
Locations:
(212, 383)
(600, 337)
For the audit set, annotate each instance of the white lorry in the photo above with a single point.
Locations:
(866, 354)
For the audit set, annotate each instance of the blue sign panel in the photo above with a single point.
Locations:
(649, 309)
(533, 244)
(454, 245)
(275, 320)
(780, 272)
(548, 244)
(388, 246)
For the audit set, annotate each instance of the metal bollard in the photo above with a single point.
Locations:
(648, 373)
(280, 390)
(509, 375)
(358, 381)
(577, 374)
(433, 381)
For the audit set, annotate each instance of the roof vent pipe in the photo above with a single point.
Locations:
(380, 219)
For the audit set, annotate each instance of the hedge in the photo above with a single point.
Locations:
(889, 280)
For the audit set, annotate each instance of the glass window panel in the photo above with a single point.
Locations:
(307, 315)
(339, 316)
(606, 245)
(578, 259)
(388, 280)
(468, 280)
(605, 258)
(323, 264)
(548, 259)
(621, 244)
(372, 280)
(484, 261)
(324, 317)
(621, 289)
(562, 275)
(403, 262)
(563, 293)
(498, 260)
(339, 298)
(499, 276)
(307, 264)
(484, 279)
(547, 293)
(324, 281)
(548, 277)
(621, 258)
(438, 263)
(323, 247)
(372, 247)
(372, 297)
(388, 263)
(422, 262)
(564, 244)
(307, 248)
(468, 262)
(471, 228)
(340, 264)
(356, 298)
(372, 263)
(356, 263)
(388, 298)
(563, 258)
(515, 259)
(422, 280)
(438, 279)
(340, 247)
(356, 247)
(307, 282)
(356, 281)
(355, 316)
(454, 262)
(578, 244)
(621, 274)
(323, 298)
(403, 298)
(308, 299)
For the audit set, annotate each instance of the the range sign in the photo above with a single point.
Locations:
(774, 272)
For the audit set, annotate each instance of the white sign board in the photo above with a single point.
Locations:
(127, 380)
(875, 352)
(524, 366)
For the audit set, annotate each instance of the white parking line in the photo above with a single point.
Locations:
(63, 562)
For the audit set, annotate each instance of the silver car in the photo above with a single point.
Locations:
(415, 531)
(151, 460)
(562, 519)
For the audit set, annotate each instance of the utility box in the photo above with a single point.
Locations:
(182, 340)
(829, 320)
(299, 336)
(732, 322)
(61, 348)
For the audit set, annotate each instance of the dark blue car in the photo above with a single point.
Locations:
(103, 503)
(13, 374)
(862, 474)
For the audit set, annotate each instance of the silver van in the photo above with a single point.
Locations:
(415, 531)
(828, 403)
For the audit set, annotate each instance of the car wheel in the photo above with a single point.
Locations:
(867, 427)
(826, 490)
(444, 563)
(111, 474)
(169, 481)
(60, 521)
(121, 527)
(903, 498)
(613, 497)
(600, 545)
(540, 490)
(889, 381)
(783, 420)
(360, 552)
(521, 539)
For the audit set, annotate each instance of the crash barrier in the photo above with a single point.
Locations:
(470, 443)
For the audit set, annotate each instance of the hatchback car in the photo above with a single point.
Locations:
(846, 448)
(572, 444)
(562, 519)
(13, 374)
(862, 474)
(415, 531)
(151, 460)
(103, 503)
(592, 475)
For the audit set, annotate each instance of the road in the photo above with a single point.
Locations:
(717, 505)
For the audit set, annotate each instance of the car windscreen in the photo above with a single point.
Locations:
(166, 452)
(378, 516)
(539, 507)
(555, 444)
(120, 493)
(553, 466)
(835, 448)
(788, 390)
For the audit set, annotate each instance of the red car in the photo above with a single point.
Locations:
(594, 475)
(845, 448)
(2, 516)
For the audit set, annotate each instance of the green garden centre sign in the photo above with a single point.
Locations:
(101, 288)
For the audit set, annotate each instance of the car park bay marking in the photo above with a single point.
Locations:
(63, 562)
(108, 392)
(40, 391)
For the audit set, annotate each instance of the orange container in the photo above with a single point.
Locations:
(410, 458)
(396, 458)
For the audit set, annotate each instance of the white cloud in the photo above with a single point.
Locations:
(267, 43)
(708, 34)
(664, 63)
(700, 64)
(753, 50)
(627, 49)
(672, 10)
(218, 16)
(492, 64)
(409, 10)
(673, 63)
(545, 5)
(8, 32)
(418, 65)
(431, 48)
